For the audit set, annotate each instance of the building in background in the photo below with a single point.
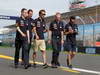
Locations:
(77, 4)
(7, 36)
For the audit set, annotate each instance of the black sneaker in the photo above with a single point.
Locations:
(70, 66)
(27, 66)
(45, 66)
(58, 64)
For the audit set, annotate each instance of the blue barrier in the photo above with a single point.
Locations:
(8, 17)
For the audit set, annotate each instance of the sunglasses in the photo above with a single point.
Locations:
(43, 14)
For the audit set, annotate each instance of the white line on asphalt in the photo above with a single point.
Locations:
(84, 70)
(77, 69)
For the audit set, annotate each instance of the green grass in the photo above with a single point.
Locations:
(5, 46)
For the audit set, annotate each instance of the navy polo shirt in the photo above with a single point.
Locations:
(40, 27)
(23, 25)
(56, 28)
(30, 26)
(71, 38)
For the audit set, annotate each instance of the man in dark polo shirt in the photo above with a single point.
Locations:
(39, 40)
(56, 38)
(21, 40)
(71, 30)
(30, 27)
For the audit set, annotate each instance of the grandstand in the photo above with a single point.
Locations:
(94, 12)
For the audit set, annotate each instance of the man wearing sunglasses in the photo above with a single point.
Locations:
(39, 42)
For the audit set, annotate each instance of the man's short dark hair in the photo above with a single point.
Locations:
(23, 9)
(72, 17)
(58, 13)
(30, 10)
(41, 11)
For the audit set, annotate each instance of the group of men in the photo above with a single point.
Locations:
(25, 26)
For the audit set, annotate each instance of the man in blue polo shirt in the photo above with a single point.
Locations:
(71, 30)
(30, 27)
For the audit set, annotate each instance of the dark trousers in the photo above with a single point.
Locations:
(22, 43)
(56, 45)
(29, 47)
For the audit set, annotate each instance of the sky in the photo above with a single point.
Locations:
(13, 7)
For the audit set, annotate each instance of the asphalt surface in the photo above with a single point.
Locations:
(87, 63)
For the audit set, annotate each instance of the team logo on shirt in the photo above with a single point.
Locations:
(55, 26)
(21, 23)
(70, 28)
(38, 23)
(43, 25)
(33, 24)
